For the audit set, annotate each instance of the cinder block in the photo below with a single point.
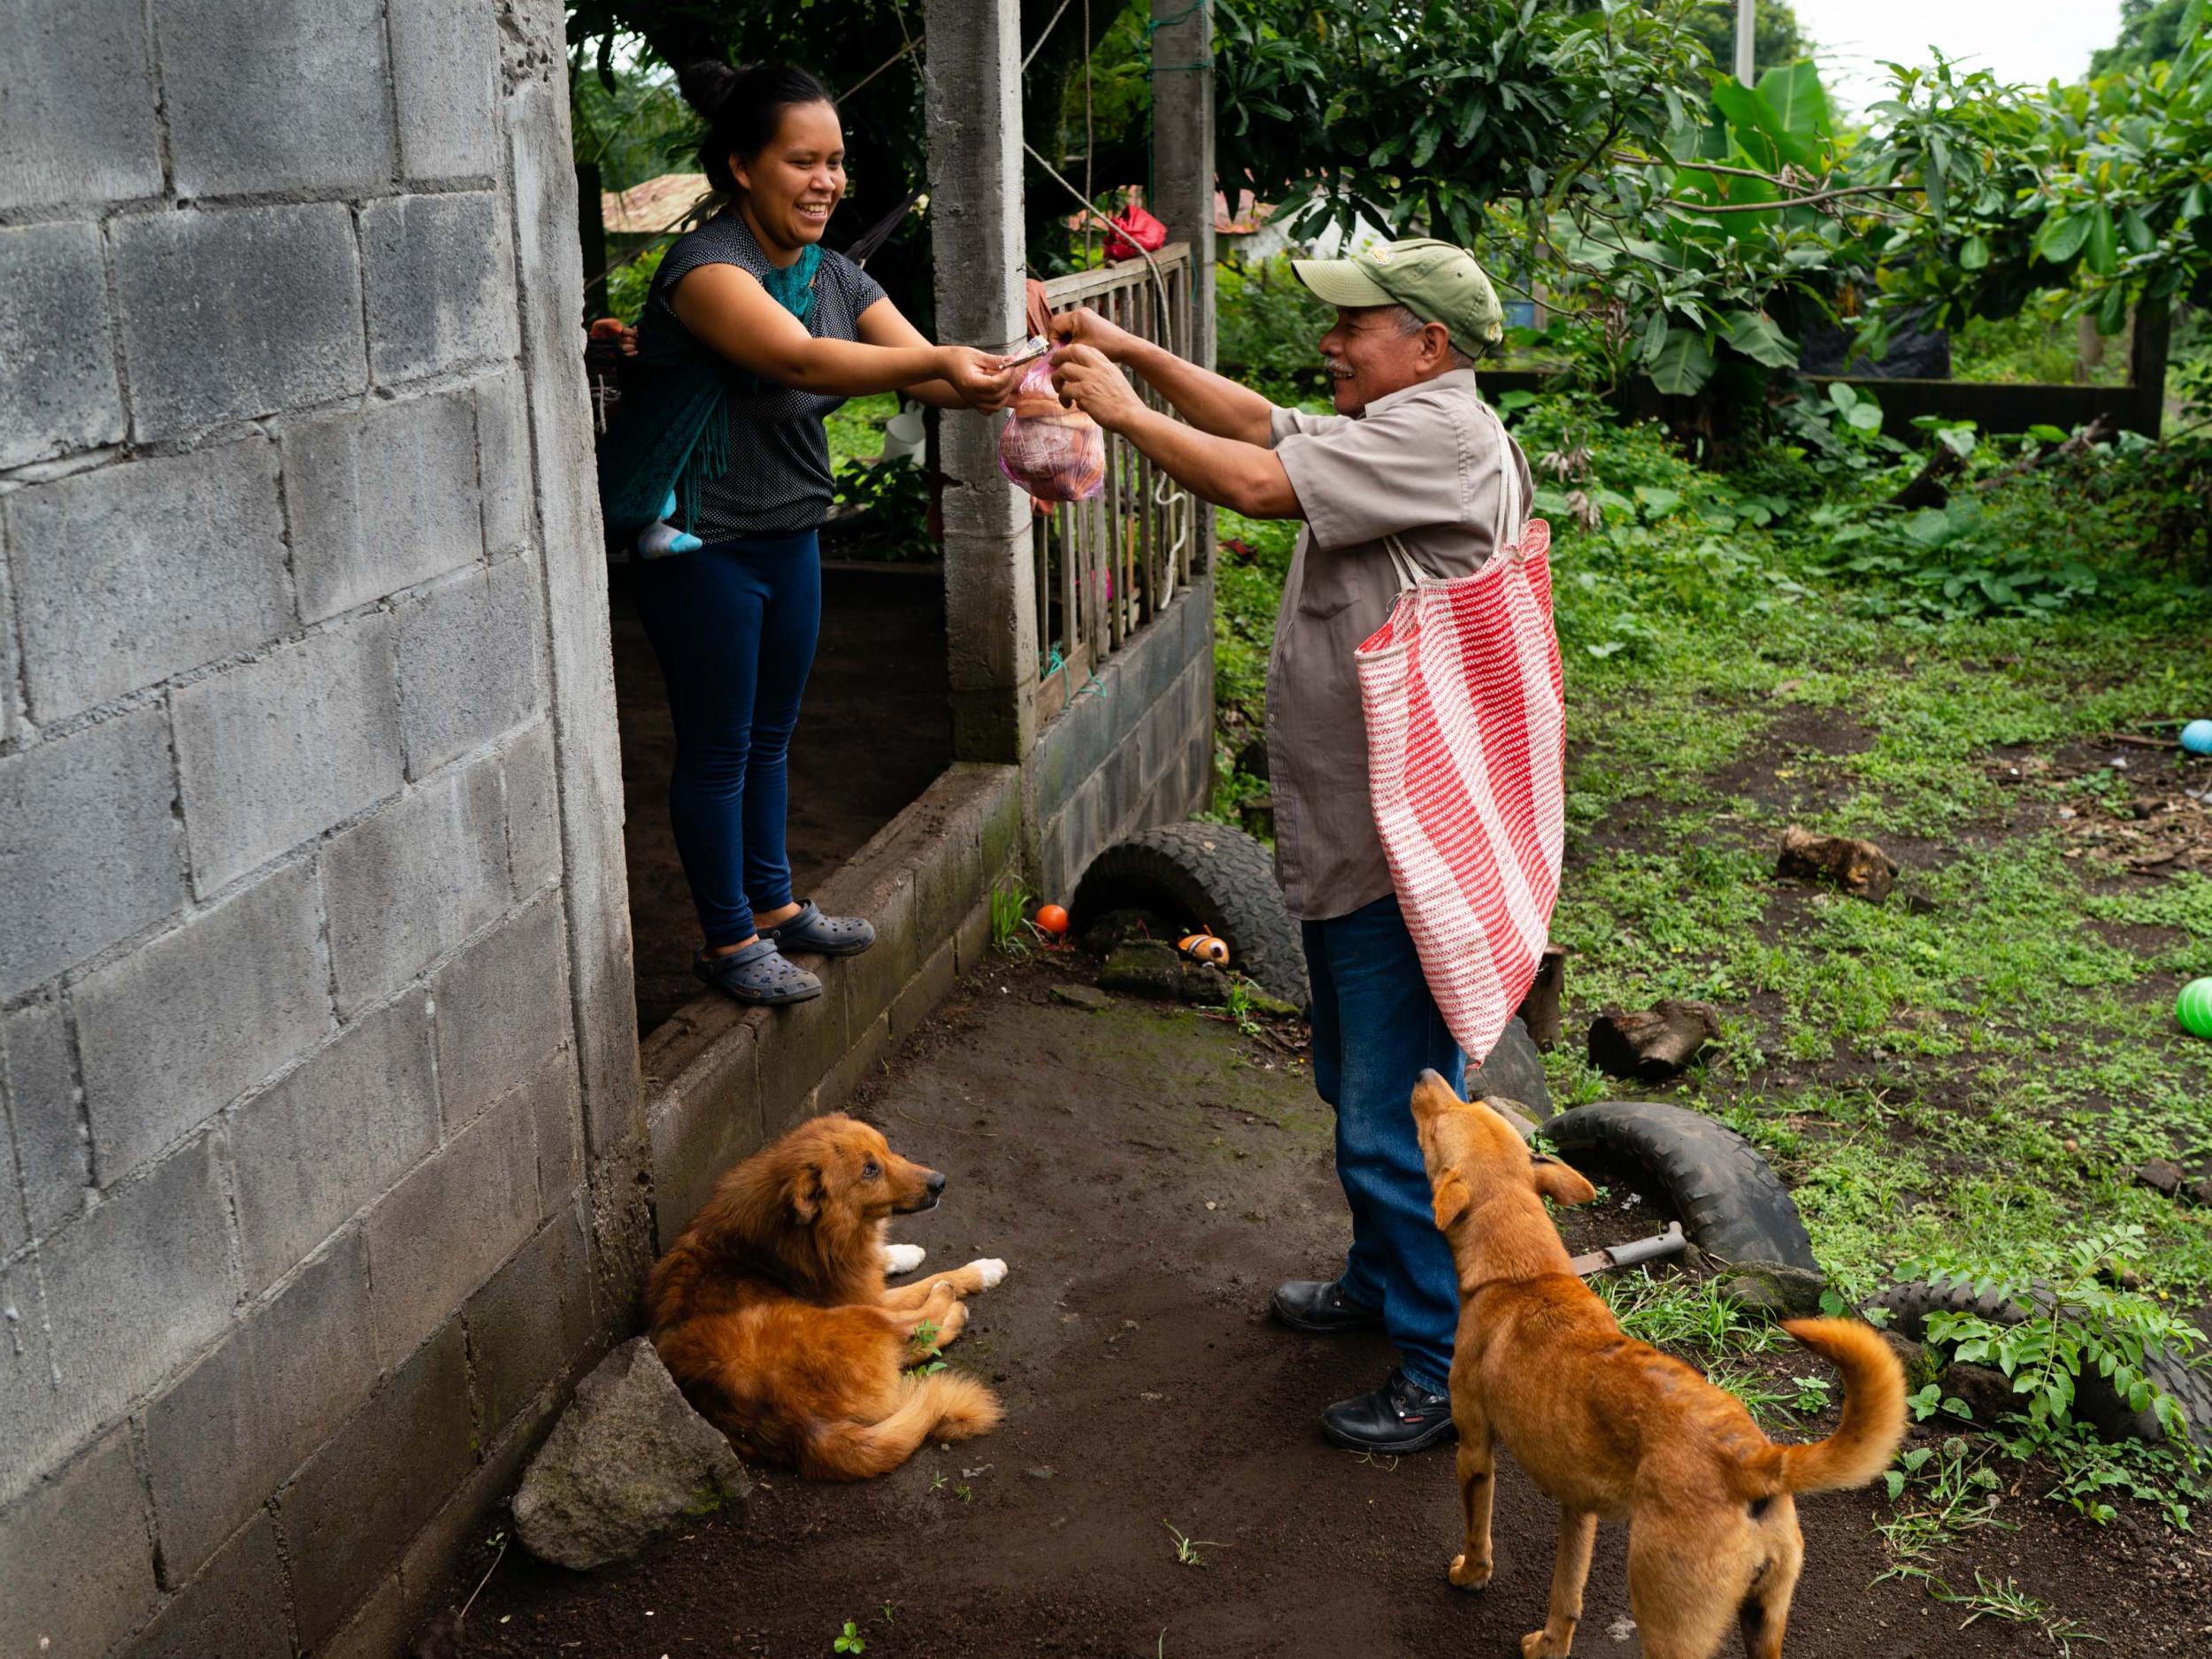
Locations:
(38, 1080)
(533, 809)
(440, 284)
(503, 1008)
(237, 1607)
(183, 1025)
(275, 751)
(409, 885)
(382, 498)
(378, 1629)
(860, 1061)
(445, 54)
(355, 1503)
(270, 94)
(78, 122)
(468, 662)
(312, 1148)
(531, 1319)
(273, 318)
(136, 571)
(10, 679)
(932, 986)
(76, 1569)
(556, 1107)
(36, 1425)
(698, 1132)
(427, 1583)
(445, 1229)
(503, 463)
(57, 389)
(227, 1433)
(972, 944)
(87, 846)
(807, 1041)
(138, 1285)
(872, 982)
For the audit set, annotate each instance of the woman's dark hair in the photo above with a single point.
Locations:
(744, 110)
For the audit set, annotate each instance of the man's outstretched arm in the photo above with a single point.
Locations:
(1242, 474)
(1211, 403)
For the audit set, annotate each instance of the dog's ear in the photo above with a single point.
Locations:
(805, 1193)
(1452, 1200)
(1561, 1184)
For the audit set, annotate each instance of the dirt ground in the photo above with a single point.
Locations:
(877, 692)
(1150, 1175)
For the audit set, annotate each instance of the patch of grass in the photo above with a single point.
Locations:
(1937, 1493)
(1009, 931)
(1186, 1548)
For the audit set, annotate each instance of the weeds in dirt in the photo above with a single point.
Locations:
(2004, 1599)
(925, 1346)
(1240, 1011)
(1186, 1548)
(1674, 1311)
(849, 1640)
(1008, 929)
(1937, 1493)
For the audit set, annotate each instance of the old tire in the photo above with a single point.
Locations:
(1208, 878)
(1732, 1204)
(2096, 1400)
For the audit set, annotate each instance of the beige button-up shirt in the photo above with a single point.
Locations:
(1426, 464)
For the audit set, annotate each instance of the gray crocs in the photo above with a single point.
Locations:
(824, 936)
(758, 973)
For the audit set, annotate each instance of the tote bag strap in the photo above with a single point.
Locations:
(1512, 520)
(1410, 575)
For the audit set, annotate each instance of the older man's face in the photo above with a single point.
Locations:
(1370, 355)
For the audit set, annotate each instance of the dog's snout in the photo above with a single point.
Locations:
(935, 1183)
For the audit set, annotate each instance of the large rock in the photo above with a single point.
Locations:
(627, 1461)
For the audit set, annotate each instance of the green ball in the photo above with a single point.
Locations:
(2193, 1008)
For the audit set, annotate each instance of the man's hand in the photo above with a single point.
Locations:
(1084, 326)
(1086, 381)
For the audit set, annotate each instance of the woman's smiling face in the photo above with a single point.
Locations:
(794, 183)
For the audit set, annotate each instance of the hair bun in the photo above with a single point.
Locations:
(705, 83)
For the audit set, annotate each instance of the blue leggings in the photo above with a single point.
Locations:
(1375, 1030)
(734, 626)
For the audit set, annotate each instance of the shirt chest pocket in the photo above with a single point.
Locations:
(1331, 582)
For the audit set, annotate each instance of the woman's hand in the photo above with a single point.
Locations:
(1084, 326)
(986, 383)
(1086, 381)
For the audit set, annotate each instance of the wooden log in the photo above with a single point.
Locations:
(1540, 1008)
(1858, 867)
(1655, 1045)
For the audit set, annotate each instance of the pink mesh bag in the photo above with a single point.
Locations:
(1054, 452)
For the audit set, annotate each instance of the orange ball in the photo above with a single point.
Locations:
(1052, 918)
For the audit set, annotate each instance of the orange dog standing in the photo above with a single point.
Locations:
(1611, 1428)
(772, 1313)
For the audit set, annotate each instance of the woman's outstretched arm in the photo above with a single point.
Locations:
(884, 325)
(728, 310)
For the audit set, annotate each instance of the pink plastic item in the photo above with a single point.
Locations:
(1054, 452)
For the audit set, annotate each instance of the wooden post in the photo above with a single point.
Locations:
(2147, 366)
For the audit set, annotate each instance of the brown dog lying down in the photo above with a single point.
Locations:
(772, 1314)
(1612, 1428)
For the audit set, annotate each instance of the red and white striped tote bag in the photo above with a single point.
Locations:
(1466, 745)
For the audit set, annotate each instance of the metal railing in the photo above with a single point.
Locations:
(1107, 566)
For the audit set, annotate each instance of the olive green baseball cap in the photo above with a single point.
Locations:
(1435, 281)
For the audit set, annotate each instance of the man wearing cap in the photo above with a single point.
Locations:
(1411, 454)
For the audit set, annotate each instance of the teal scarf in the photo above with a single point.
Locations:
(671, 430)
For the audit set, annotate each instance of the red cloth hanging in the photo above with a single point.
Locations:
(1138, 229)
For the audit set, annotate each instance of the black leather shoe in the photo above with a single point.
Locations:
(1308, 1304)
(1398, 1417)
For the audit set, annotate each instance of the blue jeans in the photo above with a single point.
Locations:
(1375, 1030)
(734, 626)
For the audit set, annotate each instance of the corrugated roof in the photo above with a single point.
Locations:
(657, 205)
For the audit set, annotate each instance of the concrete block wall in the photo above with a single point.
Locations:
(319, 1123)
(1133, 749)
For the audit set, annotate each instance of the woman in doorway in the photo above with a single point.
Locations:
(753, 333)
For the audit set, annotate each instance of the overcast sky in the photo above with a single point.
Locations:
(2016, 39)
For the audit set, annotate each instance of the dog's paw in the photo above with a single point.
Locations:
(990, 1271)
(903, 1258)
(1466, 1578)
(1540, 1644)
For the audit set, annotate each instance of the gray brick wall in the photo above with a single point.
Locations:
(297, 1243)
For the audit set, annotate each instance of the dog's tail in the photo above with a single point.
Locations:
(942, 1406)
(1873, 1410)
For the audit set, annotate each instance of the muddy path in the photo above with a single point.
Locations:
(1150, 1176)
